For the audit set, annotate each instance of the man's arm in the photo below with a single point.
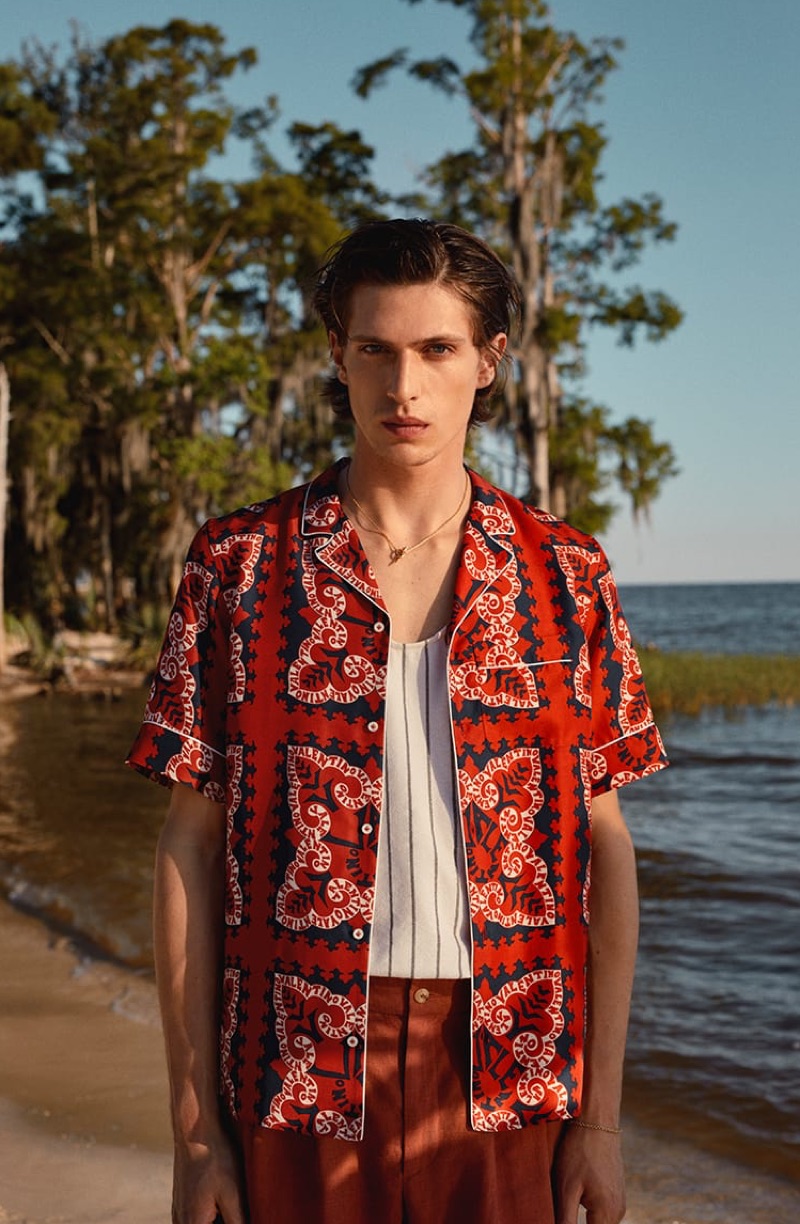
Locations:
(589, 1163)
(189, 898)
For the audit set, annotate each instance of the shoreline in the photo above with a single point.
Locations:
(93, 681)
(84, 1128)
(84, 1097)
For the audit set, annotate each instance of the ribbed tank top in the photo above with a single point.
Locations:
(421, 922)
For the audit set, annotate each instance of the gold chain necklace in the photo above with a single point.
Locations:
(396, 553)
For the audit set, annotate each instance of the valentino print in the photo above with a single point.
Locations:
(270, 696)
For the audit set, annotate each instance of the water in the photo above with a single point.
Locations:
(714, 1048)
(714, 1052)
(77, 829)
(730, 618)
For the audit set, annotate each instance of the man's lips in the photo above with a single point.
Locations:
(407, 427)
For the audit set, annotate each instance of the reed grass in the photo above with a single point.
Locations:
(686, 683)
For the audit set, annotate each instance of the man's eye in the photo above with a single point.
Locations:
(440, 350)
(372, 348)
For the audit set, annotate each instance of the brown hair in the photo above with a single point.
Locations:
(412, 252)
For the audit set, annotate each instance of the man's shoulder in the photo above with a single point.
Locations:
(530, 522)
(259, 518)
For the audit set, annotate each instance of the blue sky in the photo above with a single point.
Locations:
(705, 110)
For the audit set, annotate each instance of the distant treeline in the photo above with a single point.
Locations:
(155, 320)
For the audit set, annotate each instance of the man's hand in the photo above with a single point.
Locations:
(589, 1172)
(206, 1184)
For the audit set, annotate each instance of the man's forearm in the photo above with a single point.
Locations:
(613, 938)
(589, 1167)
(188, 904)
(189, 897)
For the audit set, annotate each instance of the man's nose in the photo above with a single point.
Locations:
(403, 386)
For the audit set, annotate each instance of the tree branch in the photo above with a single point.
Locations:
(51, 342)
(196, 270)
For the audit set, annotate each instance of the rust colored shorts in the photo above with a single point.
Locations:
(419, 1163)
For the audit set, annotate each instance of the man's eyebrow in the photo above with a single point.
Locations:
(454, 338)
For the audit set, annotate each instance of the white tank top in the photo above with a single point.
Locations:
(421, 923)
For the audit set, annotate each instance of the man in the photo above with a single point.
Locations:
(396, 706)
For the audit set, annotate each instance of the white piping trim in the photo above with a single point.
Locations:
(381, 834)
(165, 726)
(523, 664)
(620, 738)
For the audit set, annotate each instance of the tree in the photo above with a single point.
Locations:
(117, 314)
(156, 320)
(27, 122)
(530, 186)
(123, 266)
(288, 222)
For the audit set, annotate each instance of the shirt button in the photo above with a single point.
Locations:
(379, 626)
(422, 995)
(372, 726)
(366, 829)
(358, 933)
(352, 1041)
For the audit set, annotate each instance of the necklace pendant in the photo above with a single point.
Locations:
(396, 553)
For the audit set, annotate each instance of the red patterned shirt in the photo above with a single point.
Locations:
(269, 697)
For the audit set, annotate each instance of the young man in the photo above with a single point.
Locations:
(396, 705)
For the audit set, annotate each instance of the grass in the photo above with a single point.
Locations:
(686, 683)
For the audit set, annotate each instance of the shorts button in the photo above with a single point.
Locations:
(422, 995)
(372, 726)
(366, 829)
(379, 626)
(358, 933)
(352, 1041)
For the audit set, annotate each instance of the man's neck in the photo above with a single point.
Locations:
(407, 501)
(411, 531)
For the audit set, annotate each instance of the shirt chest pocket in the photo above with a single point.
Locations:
(500, 676)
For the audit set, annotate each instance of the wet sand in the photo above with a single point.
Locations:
(84, 1134)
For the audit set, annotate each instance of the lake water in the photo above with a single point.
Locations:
(714, 1052)
(730, 618)
(714, 1047)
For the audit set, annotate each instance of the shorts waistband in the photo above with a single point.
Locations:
(397, 996)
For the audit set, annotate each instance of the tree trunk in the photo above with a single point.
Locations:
(527, 262)
(107, 561)
(5, 399)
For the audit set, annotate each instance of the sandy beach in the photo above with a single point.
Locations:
(84, 1134)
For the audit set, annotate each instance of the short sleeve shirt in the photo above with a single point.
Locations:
(269, 697)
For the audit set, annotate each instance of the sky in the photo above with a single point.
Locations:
(705, 111)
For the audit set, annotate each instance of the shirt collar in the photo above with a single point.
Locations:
(323, 513)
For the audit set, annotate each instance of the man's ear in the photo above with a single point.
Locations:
(491, 356)
(337, 355)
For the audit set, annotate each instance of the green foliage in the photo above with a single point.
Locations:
(24, 120)
(41, 655)
(580, 471)
(155, 320)
(142, 631)
(334, 168)
(643, 464)
(223, 474)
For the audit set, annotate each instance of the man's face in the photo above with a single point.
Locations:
(411, 368)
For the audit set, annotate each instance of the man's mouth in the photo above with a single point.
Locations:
(407, 427)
